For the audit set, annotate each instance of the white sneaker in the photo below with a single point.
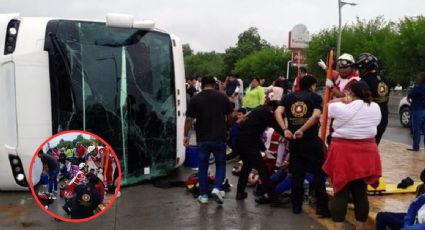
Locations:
(216, 195)
(222, 193)
(203, 199)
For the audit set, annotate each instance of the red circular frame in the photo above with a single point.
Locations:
(69, 219)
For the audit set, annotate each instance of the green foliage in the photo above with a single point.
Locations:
(267, 63)
(406, 53)
(71, 144)
(187, 51)
(209, 64)
(249, 42)
(400, 47)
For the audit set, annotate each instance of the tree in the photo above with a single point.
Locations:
(372, 36)
(187, 51)
(405, 54)
(208, 64)
(249, 42)
(266, 63)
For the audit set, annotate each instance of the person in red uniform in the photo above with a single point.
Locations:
(99, 158)
(345, 77)
(80, 178)
(342, 80)
(81, 152)
(296, 86)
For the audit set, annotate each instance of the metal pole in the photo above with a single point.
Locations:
(338, 48)
(287, 69)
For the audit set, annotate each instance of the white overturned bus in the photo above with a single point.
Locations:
(120, 79)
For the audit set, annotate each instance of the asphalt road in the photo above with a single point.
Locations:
(148, 207)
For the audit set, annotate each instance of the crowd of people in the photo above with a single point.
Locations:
(81, 176)
(359, 116)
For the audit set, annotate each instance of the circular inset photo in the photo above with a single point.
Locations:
(75, 176)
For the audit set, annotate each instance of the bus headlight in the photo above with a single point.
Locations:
(18, 170)
(11, 35)
(20, 177)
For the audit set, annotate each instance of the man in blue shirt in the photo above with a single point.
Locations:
(417, 108)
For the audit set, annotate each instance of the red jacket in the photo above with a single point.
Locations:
(81, 151)
(350, 160)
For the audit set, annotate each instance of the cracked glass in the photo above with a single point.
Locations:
(119, 84)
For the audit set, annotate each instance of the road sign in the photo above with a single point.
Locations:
(299, 58)
(299, 37)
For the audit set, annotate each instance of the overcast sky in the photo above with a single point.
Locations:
(209, 25)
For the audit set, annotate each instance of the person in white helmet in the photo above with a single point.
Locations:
(79, 179)
(344, 78)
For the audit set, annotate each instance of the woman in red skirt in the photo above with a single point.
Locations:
(353, 159)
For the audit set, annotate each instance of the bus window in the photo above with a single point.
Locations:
(119, 84)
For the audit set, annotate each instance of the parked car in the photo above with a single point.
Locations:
(404, 112)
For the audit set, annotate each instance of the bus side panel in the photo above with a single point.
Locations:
(8, 123)
(180, 97)
(32, 89)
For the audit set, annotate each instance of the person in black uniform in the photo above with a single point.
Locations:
(85, 201)
(249, 146)
(369, 73)
(302, 110)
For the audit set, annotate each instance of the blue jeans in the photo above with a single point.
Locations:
(218, 149)
(418, 124)
(53, 179)
(391, 220)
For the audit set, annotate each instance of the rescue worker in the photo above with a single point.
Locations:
(79, 179)
(302, 110)
(367, 64)
(249, 145)
(342, 81)
(86, 200)
(345, 77)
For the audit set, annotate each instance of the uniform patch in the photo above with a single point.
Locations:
(86, 197)
(299, 109)
(382, 89)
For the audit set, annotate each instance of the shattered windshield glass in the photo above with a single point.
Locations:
(119, 84)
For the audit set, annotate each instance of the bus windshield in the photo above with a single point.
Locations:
(119, 84)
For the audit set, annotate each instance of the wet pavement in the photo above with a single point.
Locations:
(148, 207)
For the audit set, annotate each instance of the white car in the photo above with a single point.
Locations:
(404, 112)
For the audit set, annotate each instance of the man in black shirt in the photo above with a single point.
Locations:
(209, 108)
(249, 146)
(302, 110)
(368, 68)
(53, 170)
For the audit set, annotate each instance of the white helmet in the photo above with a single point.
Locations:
(347, 57)
(81, 165)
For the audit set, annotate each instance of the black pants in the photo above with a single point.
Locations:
(382, 125)
(391, 220)
(307, 155)
(339, 203)
(251, 158)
